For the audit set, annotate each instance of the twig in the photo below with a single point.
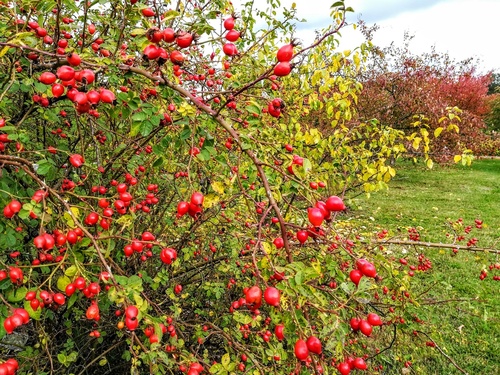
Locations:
(438, 245)
(444, 354)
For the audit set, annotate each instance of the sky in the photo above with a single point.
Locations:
(461, 28)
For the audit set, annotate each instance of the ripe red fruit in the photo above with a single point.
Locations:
(154, 35)
(254, 296)
(314, 345)
(57, 90)
(23, 313)
(365, 328)
(232, 35)
(49, 241)
(168, 255)
(92, 312)
(360, 364)
(131, 323)
(131, 312)
(184, 39)
(41, 32)
(148, 12)
(335, 204)
(151, 52)
(107, 96)
(8, 325)
(16, 275)
(229, 49)
(229, 23)
(65, 73)
(344, 368)
(368, 269)
(72, 237)
(322, 206)
(34, 303)
(86, 76)
(278, 331)
(355, 276)
(15, 206)
(182, 208)
(80, 283)
(147, 236)
(301, 350)
(282, 69)
(176, 57)
(315, 216)
(73, 59)
(302, 236)
(279, 243)
(273, 111)
(197, 198)
(93, 97)
(354, 323)
(285, 53)
(30, 295)
(80, 98)
(272, 296)
(70, 289)
(59, 298)
(374, 319)
(7, 212)
(92, 218)
(76, 160)
(16, 320)
(47, 78)
(169, 35)
(33, 25)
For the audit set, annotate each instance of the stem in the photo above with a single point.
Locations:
(438, 245)
(224, 124)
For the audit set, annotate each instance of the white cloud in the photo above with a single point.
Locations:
(463, 28)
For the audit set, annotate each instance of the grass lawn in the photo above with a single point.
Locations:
(468, 325)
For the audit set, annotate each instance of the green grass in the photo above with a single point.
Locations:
(467, 330)
(429, 198)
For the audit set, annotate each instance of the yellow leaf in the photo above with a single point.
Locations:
(218, 187)
(62, 283)
(416, 142)
(347, 52)
(430, 163)
(4, 50)
(137, 32)
(69, 220)
(437, 132)
(457, 158)
(268, 248)
(210, 200)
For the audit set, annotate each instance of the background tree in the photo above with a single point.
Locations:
(167, 207)
(407, 91)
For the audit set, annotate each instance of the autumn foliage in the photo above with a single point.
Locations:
(170, 206)
(428, 91)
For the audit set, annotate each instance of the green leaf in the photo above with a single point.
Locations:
(139, 116)
(242, 318)
(146, 128)
(299, 277)
(44, 167)
(71, 271)
(16, 295)
(63, 282)
(32, 313)
(226, 359)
